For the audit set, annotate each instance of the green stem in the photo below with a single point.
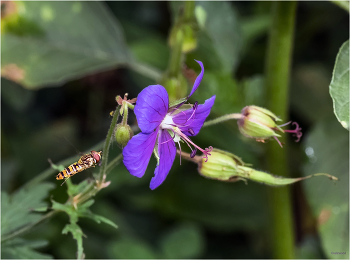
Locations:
(107, 144)
(176, 55)
(222, 119)
(277, 80)
(189, 10)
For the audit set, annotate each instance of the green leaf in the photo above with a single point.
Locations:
(188, 237)
(328, 150)
(52, 42)
(76, 189)
(23, 249)
(131, 248)
(83, 211)
(339, 87)
(17, 209)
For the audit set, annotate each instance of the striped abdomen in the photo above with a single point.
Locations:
(70, 171)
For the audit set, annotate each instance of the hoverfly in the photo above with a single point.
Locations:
(85, 162)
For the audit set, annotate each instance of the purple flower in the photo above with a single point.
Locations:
(162, 127)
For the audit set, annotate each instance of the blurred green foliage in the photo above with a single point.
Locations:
(93, 51)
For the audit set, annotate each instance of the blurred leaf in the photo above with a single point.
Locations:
(130, 248)
(183, 241)
(15, 96)
(23, 249)
(328, 150)
(339, 87)
(224, 30)
(311, 82)
(16, 210)
(254, 27)
(253, 89)
(309, 248)
(52, 42)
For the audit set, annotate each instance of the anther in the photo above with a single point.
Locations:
(195, 105)
(191, 131)
(193, 153)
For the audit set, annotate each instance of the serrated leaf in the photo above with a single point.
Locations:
(17, 210)
(62, 207)
(83, 211)
(188, 237)
(328, 150)
(22, 249)
(52, 42)
(339, 87)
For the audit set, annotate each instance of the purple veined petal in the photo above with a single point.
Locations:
(138, 151)
(198, 79)
(167, 152)
(151, 107)
(190, 124)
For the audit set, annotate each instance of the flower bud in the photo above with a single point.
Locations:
(225, 166)
(258, 123)
(221, 166)
(123, 134)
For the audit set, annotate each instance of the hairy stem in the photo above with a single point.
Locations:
(107, 143)
(277, 80)
(222, 119)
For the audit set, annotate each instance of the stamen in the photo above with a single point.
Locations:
(285, 124)
(180, 151)
(207, 152)
(195, 105)
(191, 131)
(278, 141)
(193, 153)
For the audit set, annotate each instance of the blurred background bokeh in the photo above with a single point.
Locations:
(63, 63)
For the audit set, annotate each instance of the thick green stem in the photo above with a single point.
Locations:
(176, 55)
(277, 80)
(189, 9)
(222, 119)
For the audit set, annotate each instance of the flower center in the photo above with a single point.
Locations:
(178, 135)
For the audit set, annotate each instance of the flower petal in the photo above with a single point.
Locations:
(151, 107)
(185, 120)
(167, 152)
(138, 151)
(198, 79)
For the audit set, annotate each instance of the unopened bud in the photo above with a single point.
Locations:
(225, 166)
(123, 134)
(258, 123)
(221, 166)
